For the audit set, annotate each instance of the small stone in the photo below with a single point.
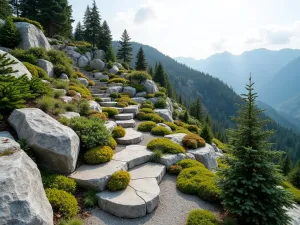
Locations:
(64, 76)
(83, 81)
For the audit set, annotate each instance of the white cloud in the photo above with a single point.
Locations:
(144, 14)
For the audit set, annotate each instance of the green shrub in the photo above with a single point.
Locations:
(58, 93)
(201, 217)
(171, 125)
(88, 68)
(99, 115)
(9, 34)
(103, 80)
(122, 104)
(60, 84)
(193, 141)
(138, 87)
(157, 154)
(199, 181)
(98, 155)
(90, 199)
(91, 83)
(98, 99)
(84, 108)
(114, 95)
(146, 126)
(118, 132)
(92, 132)
(38, 52)
(149, 96)
(111, 111)
(62, 202)
(59, 182)
(119, 180)
(160, 104)
(139, 76)
(31, 68)
(147, 106)
(161, 131)
(147, 110)
(188, 163)
(62, 63)
(166, 145)
(174, 169)
(150, 117)
(112, 143)
(294, 177)
(160, 94)
(38, 88)
(78, 87)
(162, 89)
(46, 103)
(118, 80)
(24, 56)
(193, 128)
(219, 144)
(295, 192)
(71, 107)
(71, 222)
(33, 22)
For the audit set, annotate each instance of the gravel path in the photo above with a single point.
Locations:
(173, 208)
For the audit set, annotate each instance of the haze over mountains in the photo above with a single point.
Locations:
(276, 74)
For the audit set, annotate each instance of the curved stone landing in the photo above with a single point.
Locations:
(108, 104)
(139, 198)
(124, 116)
(131, 137)
(126, 123)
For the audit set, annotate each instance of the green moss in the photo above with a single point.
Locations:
(146, 126)
(193, 141)
(111, 111)
(166, 145)
(294, 191)
(161, 131)
(147, 110)
(150, 117)
(59, 182)
(139, 76)
(98, 155)
(201, 217)
(160, 104)
(119, 180)
(118, 132)
(118, 80)
(112, 143)
(171, 125)
(188, 163)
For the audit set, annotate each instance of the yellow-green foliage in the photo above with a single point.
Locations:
(119, 180)
(160, 94)
(201, 217)
(165, 145)
(149, 96)
(62, 202)
(199, 180)
(122, 104)
(221, 163)
(182, 130)
(35, 70)
(33, 22)
(146, 126)
(81, 75)
(111, 111)
(118, 132)
(145, 110)
(115, 95)
(188, 163)
(174, 169)
(160, 131)
(59, 182)
(193, 141)
(171, 125)
(147, 106)
(78, 87)
(91, 83)
(193, 128)
(220, 144)
(51, 105)
(139, 76)
(296, 192)
(160, 104)
(96, 114)
(118, 80)
(112, 143)
(98, 155)
(150, 117)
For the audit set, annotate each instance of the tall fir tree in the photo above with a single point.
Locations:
(105, 39)
(5, 10)
(196, 110)
(206, 132)
(95, 24)
(110, 55)
(141, 63)
(78, 35)
(150, 71)
(87, 30)
(30, 8)
(15, 5)
(160, 75)
(250, 186)
(125, 49)
(286, 164)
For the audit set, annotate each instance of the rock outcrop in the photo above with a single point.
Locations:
(55, 145)
(22, 196)
(206, 156)
(97, 64)
(165, 114)
(99, 54)
(47, 66)
(150, 86)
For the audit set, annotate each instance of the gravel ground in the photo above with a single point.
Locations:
(173, 208)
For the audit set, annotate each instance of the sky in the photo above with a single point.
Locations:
(201, 28)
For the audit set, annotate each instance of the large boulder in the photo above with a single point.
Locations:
(150, 86)
(97, 64)
(64, 76)
(99, 54)
(116, 89)
(22, 196)
(101, 76)
(176, 138)
(131, 91)
(31, 36)
(141, 94)
(83, 81)
(88, 55)
(139, 100)
(83, 61)
(17, 67)
(119, 65)
(206, 156)
(169, 105)
(73, 54)
(95, 106)
(113, 70)
(55, 145)
(47, 66)
(294, 213)
(165, 114)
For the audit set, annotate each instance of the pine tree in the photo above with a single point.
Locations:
(206, 132)
(125, 50)
(78, 35)
(180, 100)
(95, 24)
(250, 185)
(15, 4)
(196, 110)
(110, 55)
(5, 10)
(150, 71)
(160, 75)
(105, 39)
(186, 116)
(87, 25)
(294, 176)
(30, 8)
(141, 63)
(9, 34)
(286, 165)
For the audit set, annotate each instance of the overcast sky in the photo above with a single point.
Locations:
(200, 28)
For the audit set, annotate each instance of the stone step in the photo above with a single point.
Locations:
(124, 116)
(132, 109)
(119, 109)
(108, 104)
(105, 95)
(126, 123)
(131, 137)
(141, 196)
(105, 99)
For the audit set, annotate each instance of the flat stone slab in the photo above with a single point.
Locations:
(104, 95)
(132, 109)
(134, 155)
(131, 137)
(108, 104)
(170, 159)
(126, 123)
(124, 116)
(148, 170)
(105, 99)
(96, 177)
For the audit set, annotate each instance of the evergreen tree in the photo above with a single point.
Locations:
(186, 116)
(141, 63)
(105, 39)
(95, 24)
(78, 35)
(180, 100)
(9, 34)
(286, 164)
(250, 185)
(125, 50)
(15, 4)
(294, 177)
(30, 8)
(150, 71)
(87, 25)
(110, 55)
(196, 110)
(160, 75)
(206, 132)
(5, 10)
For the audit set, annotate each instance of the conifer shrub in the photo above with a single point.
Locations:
(150, 117)
(118, 80)
(71, 107)
(146, 126)
(202, 217)
(188, 163)
(62, 202)
(160, 104)
(24, 56)
(58, 93)
(147, 110)
(39, 88)
(193, 128)
(119, 180)
(199, 181)
(294, 177)
(99, 115)
(115, 95)
(84, 108)
(111, 111)
(193, 141)
(160, 94)
(174, 169)
(138, 87)
(147, 106)
(26, 20)
(112, 143)
(38, 52)
(171, 125)
(90, 199)
(160, 131)
(98, 155)
(139, 76)
(118, 132)
(46, 103)
(92, 132)
(59, 182)
(165, 145)
(122, 104)
(9, 35)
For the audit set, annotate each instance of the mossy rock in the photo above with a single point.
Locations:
(98, 155)
(119, 180)
(165, 145)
